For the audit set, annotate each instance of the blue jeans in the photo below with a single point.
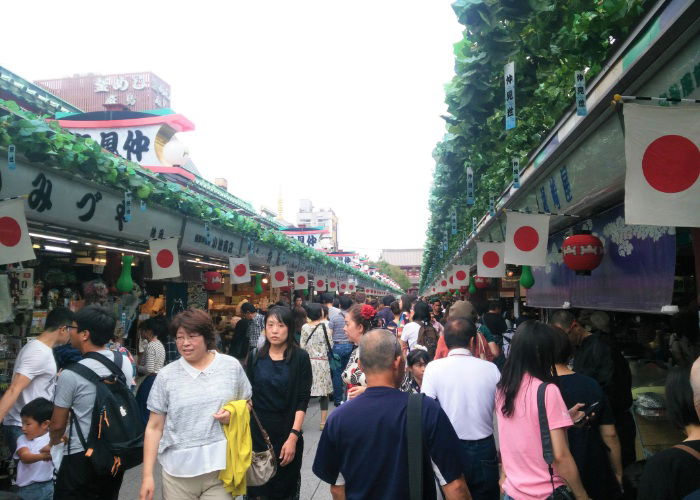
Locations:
(37, 491)
(343, 351)
(481, 468)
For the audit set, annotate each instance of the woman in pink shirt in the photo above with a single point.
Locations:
(526, 475)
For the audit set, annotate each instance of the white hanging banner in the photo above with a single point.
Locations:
(526, 239)
(662, 151)
(278, 275)
(15, 243)
(320, 283)
(332, 285)
(351, 287)
(461, 275)
(240, 270)
(343, 287)
(442, 286)
(165, 259)
(301, 281)
(489, 260)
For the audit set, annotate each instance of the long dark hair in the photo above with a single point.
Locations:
(406, 302)
(283, 314)
(532, 352)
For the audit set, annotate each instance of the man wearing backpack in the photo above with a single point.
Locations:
(81, 476)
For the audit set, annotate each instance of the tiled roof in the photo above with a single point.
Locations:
(403, 257)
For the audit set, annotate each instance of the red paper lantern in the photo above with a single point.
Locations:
(482, 282)
(212, 281)
(582, 253)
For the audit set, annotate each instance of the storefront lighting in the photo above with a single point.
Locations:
(265, 280)
(36, 246)
(138, 252)
(52, 248)
(214, 264)
(47, 237)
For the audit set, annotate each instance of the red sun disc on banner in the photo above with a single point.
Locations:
(461, 275)
(240, 269)
(301, 280)
(491, 259)
(279, 276)
(526, 238)
(671, 164)
(319, 284)
(443, 283)
(332, 283)
(165, 258)
(10, 232)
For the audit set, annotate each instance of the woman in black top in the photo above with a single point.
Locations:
(280, 375)
(675, 472)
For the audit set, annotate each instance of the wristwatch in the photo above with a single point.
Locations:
(296, 432)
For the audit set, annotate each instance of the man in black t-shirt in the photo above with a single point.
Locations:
(363, 450)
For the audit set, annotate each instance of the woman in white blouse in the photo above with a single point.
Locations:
(184, 428)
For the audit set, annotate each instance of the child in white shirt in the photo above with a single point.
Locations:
(35, 468)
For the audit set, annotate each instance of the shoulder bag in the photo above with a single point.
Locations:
(333, 358)
(263, 464)
(562, 492)
(414, 441)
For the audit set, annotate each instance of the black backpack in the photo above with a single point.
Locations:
(115, 442)
(428, 337)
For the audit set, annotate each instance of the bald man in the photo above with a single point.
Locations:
(371, 429)
(695, 384)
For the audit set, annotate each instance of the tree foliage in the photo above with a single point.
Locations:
(394, 272)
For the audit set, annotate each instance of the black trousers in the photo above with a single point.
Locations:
(77, 480)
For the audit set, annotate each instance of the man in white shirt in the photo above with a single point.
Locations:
(465, 386)
(35, 372)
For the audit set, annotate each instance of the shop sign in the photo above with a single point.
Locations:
(113, 86)
(55, 199)
(131, 143)
(223, 244)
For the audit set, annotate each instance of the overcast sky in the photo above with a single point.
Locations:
(338, 102)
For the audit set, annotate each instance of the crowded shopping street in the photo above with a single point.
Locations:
(377, 250)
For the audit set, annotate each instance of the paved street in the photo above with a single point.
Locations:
(311, 487)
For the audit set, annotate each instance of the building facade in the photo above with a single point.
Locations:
(308, 216)
(409, 260)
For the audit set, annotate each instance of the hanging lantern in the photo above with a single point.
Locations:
(125, 284)
(527, 280)
(258, 289)
(212, 281)
(582, 252)
(482, 283)
(472, 285)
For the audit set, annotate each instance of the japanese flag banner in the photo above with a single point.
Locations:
(343, 287)
(442, 287)
(526, 239)
(279, 276)
(461, 275)
(320, 283)
(240, 270)
(165, 261)
(489, 260)
(15, 243)
(351, 287)
(332, 285)
(301, 281)
(663, 165)
(433, 290)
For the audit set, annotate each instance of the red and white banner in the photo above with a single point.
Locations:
(301, 281)
(662, 152)
(526, 239)
(489, 260)
(15, 243)
(278, 276)
(240, 270)
(461, 275)
(332, 285)
(351, 287)
(320, 283)
(442, 285)
(165, 260)
(343, 287)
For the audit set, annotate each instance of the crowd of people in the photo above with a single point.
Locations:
(457, 399)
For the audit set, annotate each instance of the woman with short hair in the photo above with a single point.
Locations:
(280, 374)
(316, 339)
(416, 361)
(184, 428)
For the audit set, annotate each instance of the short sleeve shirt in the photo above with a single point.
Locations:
(73, 391)
(527, 474)
(38, 472)
(364, 440)
(36, 362)
(410, 334)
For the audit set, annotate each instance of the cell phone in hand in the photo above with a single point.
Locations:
(592, 408)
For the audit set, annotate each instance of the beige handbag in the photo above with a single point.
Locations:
(264, 463)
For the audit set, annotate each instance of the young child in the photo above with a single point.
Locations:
(35, 468)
